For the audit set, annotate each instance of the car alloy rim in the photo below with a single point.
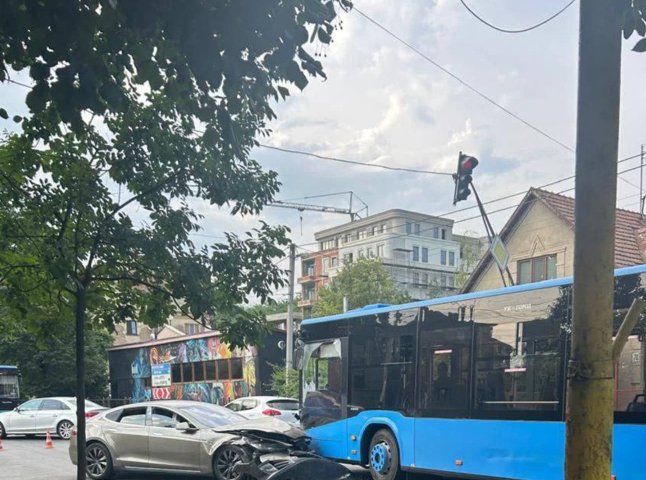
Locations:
(65, 430)
(380, 457)
(226, 462)
(97, 461)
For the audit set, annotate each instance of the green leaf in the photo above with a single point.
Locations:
(324, 37)
(3, 113)
(284, 92)
(17, 118)
(640, 46)
(640, 27)
(629, 23)
(295, 74)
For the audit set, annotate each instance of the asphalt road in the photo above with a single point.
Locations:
(28, 459)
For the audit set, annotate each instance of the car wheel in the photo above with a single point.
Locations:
(225, 460)
(64, 429)
(383, 456)
(99, 461)
(3, 432)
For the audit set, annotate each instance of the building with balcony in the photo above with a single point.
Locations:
(420, 251)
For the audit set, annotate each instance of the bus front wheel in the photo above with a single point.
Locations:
(383, 456)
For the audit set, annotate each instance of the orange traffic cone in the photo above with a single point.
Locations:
(48, 441)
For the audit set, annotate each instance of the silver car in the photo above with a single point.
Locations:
(56, 415)
(171, 436)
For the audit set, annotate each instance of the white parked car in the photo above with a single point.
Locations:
(56, 415)
(255, 407)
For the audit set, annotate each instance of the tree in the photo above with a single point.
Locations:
(469, 257)
(46, 357)
(163, 100)
(284, 382)
(363, 282)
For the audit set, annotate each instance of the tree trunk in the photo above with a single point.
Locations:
(80, 381)
(590, 380)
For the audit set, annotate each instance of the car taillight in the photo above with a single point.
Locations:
(91, 414)
(270, 412)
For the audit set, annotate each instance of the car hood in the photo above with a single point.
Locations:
(265, 425)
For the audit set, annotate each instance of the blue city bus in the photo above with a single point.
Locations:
(9, 387)
(468, 386)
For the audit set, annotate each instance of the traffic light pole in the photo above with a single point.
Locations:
(490, 234)
(589, 412)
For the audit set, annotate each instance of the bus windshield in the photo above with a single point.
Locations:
(9, 387)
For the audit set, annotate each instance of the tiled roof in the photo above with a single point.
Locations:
(627, 224)
(630, 230)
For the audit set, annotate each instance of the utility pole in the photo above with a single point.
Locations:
(589, 415)
(289, 350)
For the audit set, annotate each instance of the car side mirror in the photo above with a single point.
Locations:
(185, 427)
(17, 410)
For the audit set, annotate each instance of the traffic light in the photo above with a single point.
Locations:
(462, 178)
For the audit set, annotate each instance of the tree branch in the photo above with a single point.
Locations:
(98, 236)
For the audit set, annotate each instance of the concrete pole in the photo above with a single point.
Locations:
(289, 350)
(590, 378)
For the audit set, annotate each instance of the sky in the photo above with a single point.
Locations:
(383, 104)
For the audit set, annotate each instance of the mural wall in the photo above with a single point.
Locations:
(192, 355)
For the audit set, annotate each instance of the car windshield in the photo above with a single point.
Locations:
(283, 404)
(212, 415)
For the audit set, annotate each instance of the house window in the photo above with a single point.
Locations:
(452, 259)
(443, 280)
(348, 238)
(362, 234)
(443, 257)
(409, 228)
(380, 251)
(347, 258)
(360, 253)
(131, 327)
(451, 281)
(436, 232)
(415, 253)
(190, 328)
(424, 254)
(537, 269)
(417, 229)
(443, 234)
(374, 230)
(370, 253)
(415, 278)
(383, 228)
(425, 277)
(334, 262)
(326, 264)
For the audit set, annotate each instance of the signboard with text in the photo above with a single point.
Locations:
(161, 375)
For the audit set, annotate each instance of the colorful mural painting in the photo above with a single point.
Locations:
(140, 368)
(216, 373)
(193, 351)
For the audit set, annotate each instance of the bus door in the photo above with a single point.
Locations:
(324, 390)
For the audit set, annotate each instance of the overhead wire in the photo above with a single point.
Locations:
(462, 220)
(353, 162)
(520, 30)
(462, 82)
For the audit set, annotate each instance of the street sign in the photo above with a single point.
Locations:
(161, 375)
(499, 253)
